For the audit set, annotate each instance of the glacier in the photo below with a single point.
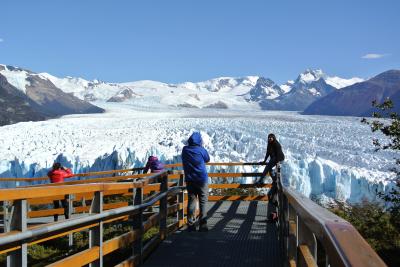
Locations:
(326, 157)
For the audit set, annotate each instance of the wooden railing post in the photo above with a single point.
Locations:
(163, 206)
(70, 210)
(138, 224)
(96, 233)
(18, 222)
(306, 237)
(180, 216)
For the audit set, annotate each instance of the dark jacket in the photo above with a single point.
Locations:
(194, 158)
(154, 165)
(274, 150)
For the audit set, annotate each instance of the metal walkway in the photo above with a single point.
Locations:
(238, 236)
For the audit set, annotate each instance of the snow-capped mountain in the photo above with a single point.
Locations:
(15, 106)
(225, 92)
(286, 87)
(355, 100)
(309, 76)
(340, 83)
(307, 88)
(265, 89)
(40, 97)
(249, 92)
(213, 92)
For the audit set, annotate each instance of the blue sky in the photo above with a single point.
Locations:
(181, 40)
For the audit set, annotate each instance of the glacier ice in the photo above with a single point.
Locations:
(325, 156)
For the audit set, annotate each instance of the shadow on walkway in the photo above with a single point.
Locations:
(238, 236)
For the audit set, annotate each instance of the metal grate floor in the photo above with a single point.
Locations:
(238, 236)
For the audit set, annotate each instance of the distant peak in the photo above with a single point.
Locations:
(265, 82)
(310, 75)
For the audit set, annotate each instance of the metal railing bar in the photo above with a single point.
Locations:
(65, 225)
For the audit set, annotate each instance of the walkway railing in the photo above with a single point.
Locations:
(20, 208)
(312, 236)
(16, 241)
(309, 234)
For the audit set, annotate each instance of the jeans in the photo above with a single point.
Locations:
(200, 191)
(274, 189)
(64, 204)
(272, 163)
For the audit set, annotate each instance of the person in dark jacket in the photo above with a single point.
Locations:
(154, 165)
(274, 152)
(57, 175)
(194, 159)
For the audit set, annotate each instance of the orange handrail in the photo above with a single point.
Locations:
(167, 166)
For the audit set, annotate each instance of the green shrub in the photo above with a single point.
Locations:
(376, 226)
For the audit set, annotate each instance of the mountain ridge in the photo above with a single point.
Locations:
(247, 92)
(26, 96)
(356, 99)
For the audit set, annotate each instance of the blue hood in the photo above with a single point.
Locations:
(194, 158)
(195, 139)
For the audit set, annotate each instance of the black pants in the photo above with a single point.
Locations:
(268, 168)
(274, 189)
(64, 204)
(197, 191)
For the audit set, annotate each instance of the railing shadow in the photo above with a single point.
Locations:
(227, 216)
(214, 208)
(237, 237)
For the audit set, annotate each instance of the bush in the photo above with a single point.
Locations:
(376, 226)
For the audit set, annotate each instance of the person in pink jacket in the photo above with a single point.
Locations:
(57, 175)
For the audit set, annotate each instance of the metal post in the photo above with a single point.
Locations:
(96, 233)
(3, 217)
(3, 204)
(70, 210)
(18, 222)
(285, 226)
(7, 213)
(83, 203)
(138, 224)
(163, 207)
(292, 245)
(181, 201)
(282, 213)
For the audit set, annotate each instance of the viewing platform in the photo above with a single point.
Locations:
(127, 218)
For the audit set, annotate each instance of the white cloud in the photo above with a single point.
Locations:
(374, 56)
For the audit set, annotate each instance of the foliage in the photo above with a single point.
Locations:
(38, 252)
(50, 251)
(150, 233)
(235, 191)
(390, 127)
(376, 226)
(381, 227)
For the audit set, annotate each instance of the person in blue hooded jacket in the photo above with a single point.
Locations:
(194, 158)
